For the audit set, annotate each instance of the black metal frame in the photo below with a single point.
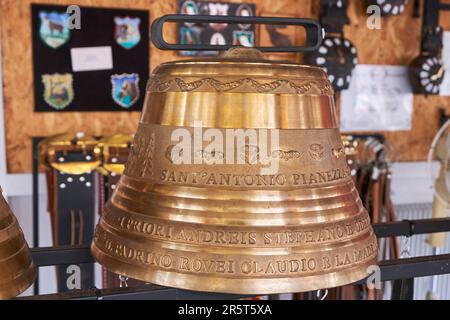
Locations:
(397, 269)
(35, 199)
(444, 6)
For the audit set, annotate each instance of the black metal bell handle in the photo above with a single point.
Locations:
(314, 33)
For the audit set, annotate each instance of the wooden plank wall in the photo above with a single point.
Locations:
(396, 43)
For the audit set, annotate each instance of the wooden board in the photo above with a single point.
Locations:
(396, 43)
(20, 120)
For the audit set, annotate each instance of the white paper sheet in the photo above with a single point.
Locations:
(444, 89)
(379, 99)
(91, 58)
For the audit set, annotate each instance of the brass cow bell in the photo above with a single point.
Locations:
(17, 271)
(229, 226)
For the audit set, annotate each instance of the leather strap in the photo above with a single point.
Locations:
(392, 216)
(403, 289)
(73, 219)
(431, 32)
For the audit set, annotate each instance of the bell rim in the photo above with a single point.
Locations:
(249, 286)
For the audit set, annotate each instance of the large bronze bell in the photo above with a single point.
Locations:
(231, 227)
(17, 271)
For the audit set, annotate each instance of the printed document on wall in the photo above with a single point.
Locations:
(444, 89)
(379, 99)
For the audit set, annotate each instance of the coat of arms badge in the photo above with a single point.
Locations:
(127, 32)
(243, 38)
(125, 89)
(54, 30)
(58, 90)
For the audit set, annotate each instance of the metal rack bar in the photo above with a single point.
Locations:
(444, 6)
(53, 256)
(416, 267)
(148, 292)
(409, 228)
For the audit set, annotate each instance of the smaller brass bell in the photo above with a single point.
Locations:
(17, 270)
(114, 150)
